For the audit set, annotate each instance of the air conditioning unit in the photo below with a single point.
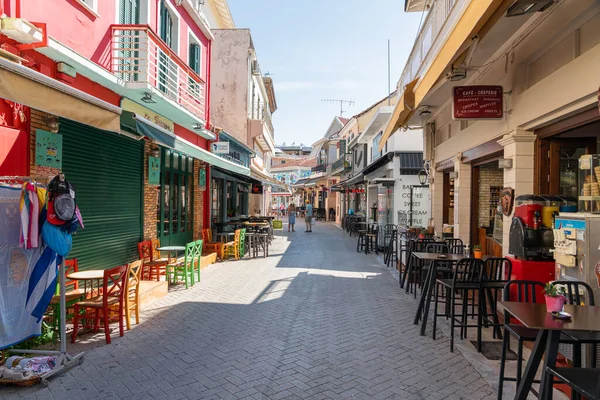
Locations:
(255, 67)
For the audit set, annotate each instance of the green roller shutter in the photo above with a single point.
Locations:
(106, 169)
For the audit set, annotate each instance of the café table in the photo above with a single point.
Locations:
(535, 316)
(429, 283)
(92, 276)
(256, 241)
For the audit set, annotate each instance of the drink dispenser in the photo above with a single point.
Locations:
(529, 238)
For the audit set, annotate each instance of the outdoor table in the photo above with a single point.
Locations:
(258, 240)
(535, 316)
(429, 283)
(92, 275)
(224, 236)
(171, 249)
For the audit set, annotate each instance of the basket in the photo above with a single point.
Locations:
(33, 380)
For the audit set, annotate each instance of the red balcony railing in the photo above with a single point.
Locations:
(139, 56)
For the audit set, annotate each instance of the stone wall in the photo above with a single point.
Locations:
(151, 193)
(489, 176)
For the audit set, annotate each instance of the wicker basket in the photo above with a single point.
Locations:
(18, 382)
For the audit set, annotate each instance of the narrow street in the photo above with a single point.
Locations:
(314, 320)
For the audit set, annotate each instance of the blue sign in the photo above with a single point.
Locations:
(569, 223)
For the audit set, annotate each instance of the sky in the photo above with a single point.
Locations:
(325, 49)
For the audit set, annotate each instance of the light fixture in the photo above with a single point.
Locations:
(52, 124)
(457, 74)
(422, 177)
(148, 98)
(522, 7)
(505, 163)
(155, 152)
(424, 111)
(198, 126)
(453, 174)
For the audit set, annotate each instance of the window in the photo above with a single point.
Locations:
(375, 153)
(216, 188)
(195, 55)
(90, 5)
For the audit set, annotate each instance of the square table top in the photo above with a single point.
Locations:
(436, 256)
(535, 316)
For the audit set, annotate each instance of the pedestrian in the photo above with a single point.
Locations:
(282, 209)
(291, 217)
(308, 216)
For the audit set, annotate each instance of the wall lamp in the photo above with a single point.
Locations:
(148, 98)
(52, 124)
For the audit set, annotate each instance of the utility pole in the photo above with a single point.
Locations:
(342, 102)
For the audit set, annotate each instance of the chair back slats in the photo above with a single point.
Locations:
(455, 246)
(437, 248)
(573, 291)
(114, 283)
(468, 270)
(145, 250)
(522, 291)
(496, 268)
(155, 245)
(135, 271)
(70, 266)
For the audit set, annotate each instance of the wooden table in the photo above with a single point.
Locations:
(91, 275)
(429, 283)
(535, 316)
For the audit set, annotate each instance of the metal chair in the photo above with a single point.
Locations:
(582, 381)
(455, 246)
(371, 239)
(412, 273)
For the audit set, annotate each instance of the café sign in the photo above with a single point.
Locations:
(220, 147)
(478, 102)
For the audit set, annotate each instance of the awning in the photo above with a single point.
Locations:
(166, 138)
(402, 111)
(355, 180)
(410, 162)
(266, 180)
(301, 182)
(380, 162)
(312, 182)
(26, 86)
(474, 18)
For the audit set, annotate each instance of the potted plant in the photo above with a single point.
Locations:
(555, 300)
(477, 251)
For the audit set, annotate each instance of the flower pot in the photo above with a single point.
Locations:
(478, 253)
(555, 303)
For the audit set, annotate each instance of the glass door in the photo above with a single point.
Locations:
(175, 211)
(564, 163)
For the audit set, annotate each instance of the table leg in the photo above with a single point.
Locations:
(433, 277)
(422, 299)
(549, 361)
(532, 365)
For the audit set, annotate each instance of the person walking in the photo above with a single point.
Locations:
(282, 209)
(291, 217)
(308, 216)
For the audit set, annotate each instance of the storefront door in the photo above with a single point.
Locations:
(564, 164)
(175, 211)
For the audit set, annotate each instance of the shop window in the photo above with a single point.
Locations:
(230, 200)
(176, 208)
(216, 188)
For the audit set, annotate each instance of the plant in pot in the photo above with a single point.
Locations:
(477, 251)
(555, 300)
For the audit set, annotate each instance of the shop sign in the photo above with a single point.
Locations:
(202, 179)
(355, 191)
(478, 102)
(336, 189)
(48, 149)
(153, 171)
(257, 188)
(220, 147)
(128, 105)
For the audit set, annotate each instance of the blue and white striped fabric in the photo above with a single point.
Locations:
(42, 283)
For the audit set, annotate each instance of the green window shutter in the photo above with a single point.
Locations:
(108, 189)
(195, 57)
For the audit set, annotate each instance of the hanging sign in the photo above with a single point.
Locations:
(220, 147)
(257, 188)
(128, 105)
(202, 179)
(478, 102)
(153, 171)
(48, 149)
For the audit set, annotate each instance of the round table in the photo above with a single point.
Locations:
(91, 275)
(171, 249)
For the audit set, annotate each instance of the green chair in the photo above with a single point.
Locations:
(278, 225)
(198, 256)
(243, 243)
(183, 270)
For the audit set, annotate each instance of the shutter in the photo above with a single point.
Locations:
(106, 170)
(168, 27)
(135, 12)
(197, 59)
(163, 21)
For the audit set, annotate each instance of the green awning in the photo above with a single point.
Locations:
(143, 127)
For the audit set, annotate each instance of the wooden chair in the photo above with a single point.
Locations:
(233, 248)
(114, 288)
(72, 294)
(151, 269)
(209, 246)
(198, 245)
(132, 300)
(156, 256)
(183, 268)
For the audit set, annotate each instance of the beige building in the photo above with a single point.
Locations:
(546, 61)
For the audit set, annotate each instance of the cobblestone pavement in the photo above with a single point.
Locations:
(315, 320)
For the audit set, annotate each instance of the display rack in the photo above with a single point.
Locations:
(64, 360)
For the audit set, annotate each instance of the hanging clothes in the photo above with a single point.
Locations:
(30, 207)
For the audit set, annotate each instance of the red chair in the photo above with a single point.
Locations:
(114, 288)
(72, 294)
(152, 269)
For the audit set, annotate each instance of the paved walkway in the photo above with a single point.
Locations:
(315, 320)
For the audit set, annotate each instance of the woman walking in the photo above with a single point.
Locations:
(291, 217)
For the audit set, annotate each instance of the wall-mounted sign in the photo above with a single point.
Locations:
(202, 179)
(139, 110)
(219, 147)
(257, 188)
(478, 102)
(507, 197)
(153, 170)
(48, 149)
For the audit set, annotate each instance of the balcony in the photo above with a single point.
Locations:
(340, 165)
(154, 73)
(427, 39)
(319, 168)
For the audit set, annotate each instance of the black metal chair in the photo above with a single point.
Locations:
(466, 278)
(412, 273)
(371, 239)
(455, 246)
(583, 381)
(494, 272)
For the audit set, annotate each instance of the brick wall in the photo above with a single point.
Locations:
(41, 174)
(198, 200)
(489, 175)
(151, 193)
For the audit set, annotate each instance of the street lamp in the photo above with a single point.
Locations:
(422, 177)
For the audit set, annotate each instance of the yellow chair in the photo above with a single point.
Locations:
(132, 297)
(209, 246)
(233, 248)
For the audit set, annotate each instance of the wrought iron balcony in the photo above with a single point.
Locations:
(340, 164)
(319, 168)
(145, 62)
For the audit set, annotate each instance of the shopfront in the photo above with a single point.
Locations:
(229, 196)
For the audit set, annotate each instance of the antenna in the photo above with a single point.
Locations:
(341, 101)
